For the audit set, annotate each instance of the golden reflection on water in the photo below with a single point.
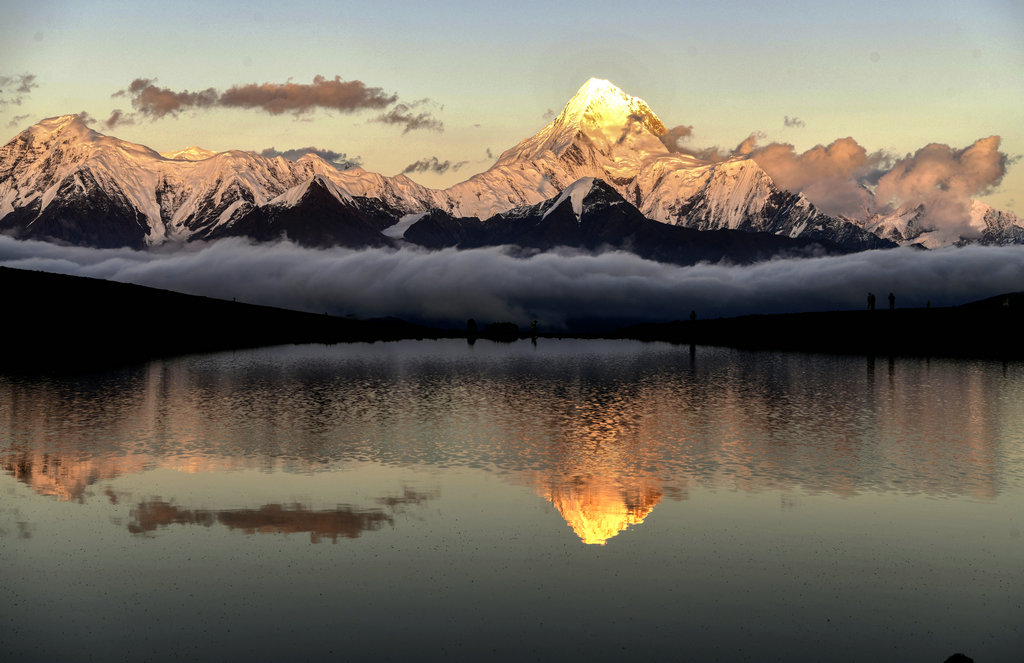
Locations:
(603, 439)
(598, 508)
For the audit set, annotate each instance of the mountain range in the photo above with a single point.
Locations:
(597, 176)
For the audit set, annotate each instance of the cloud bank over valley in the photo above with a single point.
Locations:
(555, 288)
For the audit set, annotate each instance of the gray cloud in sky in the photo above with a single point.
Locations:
(793, 122)
(14, 89)
(157, 102)
(675, 135)
(405, 116)
(330, 94)
(86, 118)
(337, 158)
(433, 165)
(118, 118)
(492, 284)
(18, 119)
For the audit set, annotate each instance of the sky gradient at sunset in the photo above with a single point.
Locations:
(480, 77)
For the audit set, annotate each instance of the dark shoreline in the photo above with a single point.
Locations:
(55, 322)
(60, 322)
(992, 328)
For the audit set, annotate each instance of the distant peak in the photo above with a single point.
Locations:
(599, 86)
(611, 121)
(72, 124)
(61, 122)
(192, 153)
(601, 102)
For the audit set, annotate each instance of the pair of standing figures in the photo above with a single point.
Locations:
(871, 301)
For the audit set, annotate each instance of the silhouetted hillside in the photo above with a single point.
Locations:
(987, 328)
(54, 320)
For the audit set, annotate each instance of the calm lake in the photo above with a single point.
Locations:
(569, 500)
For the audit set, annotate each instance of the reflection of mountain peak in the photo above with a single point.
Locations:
(598, 508)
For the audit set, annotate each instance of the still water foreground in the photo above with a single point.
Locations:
(573, 500)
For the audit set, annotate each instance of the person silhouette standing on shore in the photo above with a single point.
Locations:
(892, 301)
(871, 301)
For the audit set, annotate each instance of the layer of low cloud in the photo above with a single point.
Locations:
(339, 159)
(492, 284)
(433, 165)
(329, 94)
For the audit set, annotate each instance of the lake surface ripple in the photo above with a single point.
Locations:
(591, 500)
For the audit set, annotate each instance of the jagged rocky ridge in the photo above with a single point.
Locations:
(591, 215)
(61, 181)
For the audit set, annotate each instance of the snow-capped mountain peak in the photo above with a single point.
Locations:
(599, 103)
(71, 125)
(193, 153)
(61, 180)
(598, 124)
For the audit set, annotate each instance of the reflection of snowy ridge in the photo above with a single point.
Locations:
(61, 180)
(598, 508)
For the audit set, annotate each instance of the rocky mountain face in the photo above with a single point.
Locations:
(591, 215)
(61, 181)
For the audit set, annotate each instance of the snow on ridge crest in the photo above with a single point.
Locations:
(191, 153)
(575, 192)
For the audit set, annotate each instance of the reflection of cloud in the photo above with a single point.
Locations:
(344, 521)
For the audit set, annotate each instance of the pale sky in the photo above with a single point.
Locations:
(895, 76)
